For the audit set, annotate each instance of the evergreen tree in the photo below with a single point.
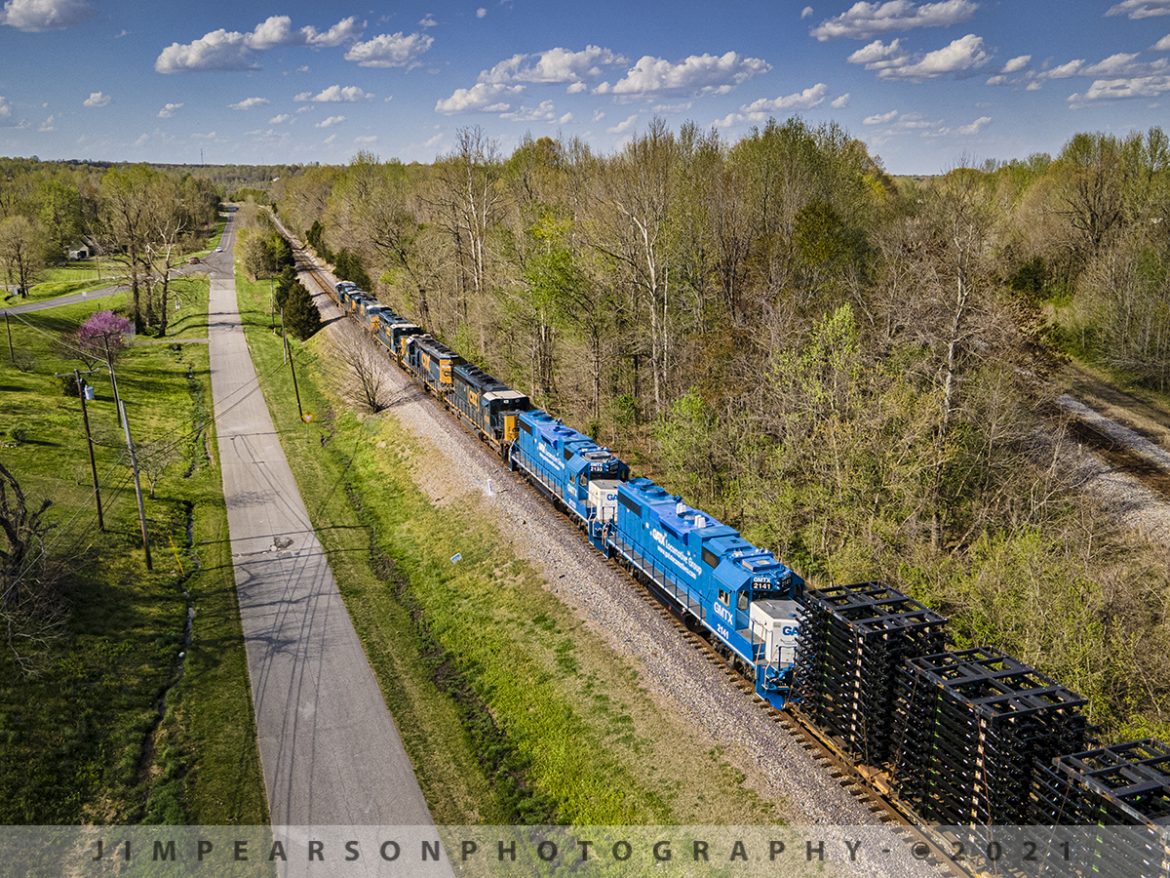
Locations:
(300, 313)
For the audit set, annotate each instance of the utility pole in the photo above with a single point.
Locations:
(296, 390)
(8, 327)
(137, 486)
(113, 377)
(283, 339)
(97, 491)
(271, 305)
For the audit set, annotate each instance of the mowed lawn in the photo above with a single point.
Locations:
(109, 724)
(510, 709)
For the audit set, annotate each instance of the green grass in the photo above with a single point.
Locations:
(510, 709)
(82, 740)
(72, 277)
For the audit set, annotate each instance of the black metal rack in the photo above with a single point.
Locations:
(970, 730)
(852, 640)
(1124, 791)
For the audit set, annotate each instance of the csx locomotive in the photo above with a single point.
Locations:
(741, 594)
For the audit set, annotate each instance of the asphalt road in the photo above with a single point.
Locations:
(63, 300)
(330, 750)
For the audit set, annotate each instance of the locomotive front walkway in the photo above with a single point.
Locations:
(329, 747)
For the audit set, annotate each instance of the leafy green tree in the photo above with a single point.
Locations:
(22, 251)
(348, 266)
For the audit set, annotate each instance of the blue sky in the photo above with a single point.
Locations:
(926, 85)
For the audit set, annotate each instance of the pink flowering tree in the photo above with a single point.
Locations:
(101, 337)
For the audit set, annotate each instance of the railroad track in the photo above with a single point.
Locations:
(864, 785)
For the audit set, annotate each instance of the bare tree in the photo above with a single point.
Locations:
(365, 379)
(468, 204)
(155, 458)
(30, 613)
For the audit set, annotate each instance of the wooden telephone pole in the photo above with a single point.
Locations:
(97, 491)
(137, 485)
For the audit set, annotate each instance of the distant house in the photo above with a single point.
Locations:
(83, 249)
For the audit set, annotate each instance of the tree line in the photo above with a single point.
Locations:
(141, 217)
(848, 366)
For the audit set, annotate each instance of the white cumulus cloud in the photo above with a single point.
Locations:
(841, 102)
(48, 125)
(1163, 45)
(806, 13)
(695, 74)
(330, 121)
(976, 126)
(481, 12)
(1117, 63)
(864, 20)
(1137, 9)
(623, 126)
(1063, 71)
(96, 99)
(760, 110)
(279, 119)
(880, 118)
(345, 30)
(428, 20)
(336, 94)
(390, 50)
(218, 50)
(1150, 86)
(248, 103)
(276, 30)
(482, 97)
(5, 107)
(232, 50)
(38, 15)
(169, 110)
(1015, 65)
(961, 56)
(542, 112)
(556, 65)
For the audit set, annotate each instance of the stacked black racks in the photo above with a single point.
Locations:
(970, 729)
(852, 641)
(1118, 798)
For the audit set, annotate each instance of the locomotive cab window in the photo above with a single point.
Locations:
(568, 454)
(583, 480)
(724, 598)
(629, 504)
(710, 558)
(742, 602)
(524, 426)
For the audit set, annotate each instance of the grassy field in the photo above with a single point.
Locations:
(510, 709)
(114, 726)
(72, 277)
